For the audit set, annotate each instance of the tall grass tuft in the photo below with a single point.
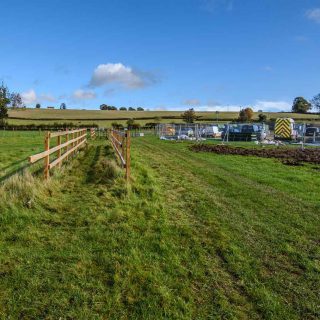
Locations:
(26, 189)
(20, 188)
(106, 171)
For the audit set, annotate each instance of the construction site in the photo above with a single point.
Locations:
(282, 131)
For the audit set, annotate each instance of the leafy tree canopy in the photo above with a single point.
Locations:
(301, 105)
(4, 102)
(189, 116)
(316, 102)
(245, 115)
(16, 100)
(106, 107)
(262, 117)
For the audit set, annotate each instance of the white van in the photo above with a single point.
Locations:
(211, 132)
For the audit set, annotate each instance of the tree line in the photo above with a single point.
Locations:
(300, 105)
(113, 108)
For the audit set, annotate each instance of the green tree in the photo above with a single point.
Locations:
(38, 105)
(131, 109)
(262, 117)
(135, 126)
(4, 102)
(150, 125)
(189, 116)
(63, 106)
(140, 109)
(16, 100)
(130, 123)
(157, 120)
(245, 115)
(301, 105)
(117, 125)
(316, 102)
(104, 107)
(123, 109)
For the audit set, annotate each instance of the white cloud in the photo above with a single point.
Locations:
(84, 94)
(213, 103)
(218, 108)
(29, 96)
(266, 106)
(47, 97)
(272, 106)
(161, 108)
(117, 73)
(210, 108)
(191, 102)
(314, 15)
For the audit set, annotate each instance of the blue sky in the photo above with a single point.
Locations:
(162, 55)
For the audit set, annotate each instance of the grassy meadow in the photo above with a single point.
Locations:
(105, 118)
(16, 147)
(195, 236)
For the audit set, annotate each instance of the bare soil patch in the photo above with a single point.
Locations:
(290, 156)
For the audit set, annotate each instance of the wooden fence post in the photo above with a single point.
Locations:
(67, 139)
(128, 162)
(73, 145)
(123, 140)
(77, 142)
(47, 158)
(59, 151)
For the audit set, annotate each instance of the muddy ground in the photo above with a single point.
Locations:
(290, 156)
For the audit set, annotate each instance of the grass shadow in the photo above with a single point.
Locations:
(90, 174)
(108, 151)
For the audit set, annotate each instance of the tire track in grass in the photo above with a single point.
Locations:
(157, 153)
(225, 281)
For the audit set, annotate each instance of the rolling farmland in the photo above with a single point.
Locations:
(195, 235)
(105, 118)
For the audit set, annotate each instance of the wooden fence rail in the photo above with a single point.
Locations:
(74, 139)
(121, 143)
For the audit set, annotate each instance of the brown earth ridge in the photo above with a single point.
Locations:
(293, 156)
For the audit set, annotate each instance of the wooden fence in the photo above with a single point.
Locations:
(92, 133)
(121, 143)
(74, 139)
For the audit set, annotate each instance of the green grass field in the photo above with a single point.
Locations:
(15, 147)
(105, 118)
(195, 236)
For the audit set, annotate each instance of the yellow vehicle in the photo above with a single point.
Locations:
(284, 129)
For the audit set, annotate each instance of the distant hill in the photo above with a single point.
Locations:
(98, 115)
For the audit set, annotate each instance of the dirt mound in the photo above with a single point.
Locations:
(290, 156)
